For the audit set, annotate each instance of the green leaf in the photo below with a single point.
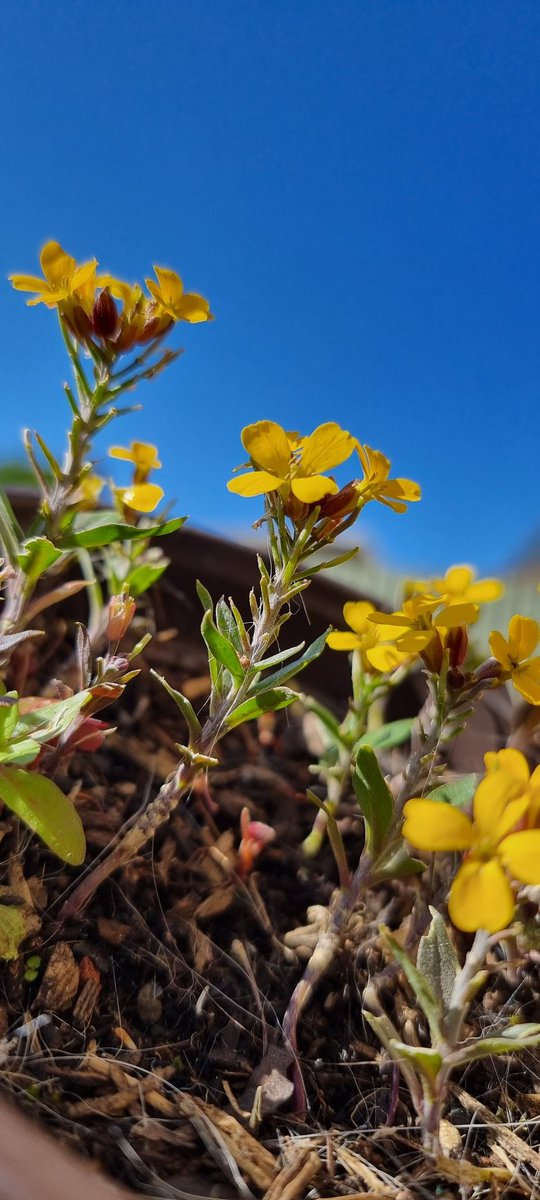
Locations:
(437, 960)
(264, 702)
(329, 562)
(227, 625)
(388, 736)
(52, 719)
(9, 715)
(398, 864)
(374, 797)
(427, 1061)
(20, 753)
(44, 808)
(12, 931)
(458, 792)
(101, 529)
(204, 597)
(142, 578)
(182, 702)
(512, 1039)
(310, 655)
(11, 534)
(281, 656)
(420, 985)
(220, 648)
(35, 557)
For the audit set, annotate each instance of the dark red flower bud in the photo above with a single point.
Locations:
(105, 315)
(457, 643)
(78, 321)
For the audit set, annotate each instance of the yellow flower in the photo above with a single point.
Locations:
(514, 655)
(365, 638)
(514, 763)
(480, 896)
(459, 586)
(64, 280)
(395, 493)
(170, 298)
(91, 489)
(285, 462)
(143, 455)
(141, 497)
(417, 624)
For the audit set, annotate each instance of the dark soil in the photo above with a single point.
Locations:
(151, 1015)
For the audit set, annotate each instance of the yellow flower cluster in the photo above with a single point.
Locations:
(140, 496)
(501, 841)
(366, 639)
(85, 301)
(295, 466)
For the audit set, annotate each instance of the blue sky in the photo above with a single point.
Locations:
(354, 185)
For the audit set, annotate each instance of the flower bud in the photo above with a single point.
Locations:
(255, 836)
(105, 315)
(121, 613)
(457, 643)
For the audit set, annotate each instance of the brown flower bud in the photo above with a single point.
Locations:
(105, 315)
(457, 642)
(78, 322)
(121, 613)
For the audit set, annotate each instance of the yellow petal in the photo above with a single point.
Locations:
(256, 483)
(170, 284)
(193, 308)
(520, 852)
(526, 680)
(121, 452)
(415, 640)
(481, 897)
(513, 813)
(267, 444)
(356, 612)
(142, 497)
(338, 640)
(484, 591)
(456, 614)
(310, 490)
(492, 795)
(385, 657)
(28, 283)
(432, 825)
(399, 619)
(456, 581)
(83, 275)
(57, 266)
(144, 455)
(523, 634)
(328, 446)
(376, 465)
(500, 650)
(510, 760)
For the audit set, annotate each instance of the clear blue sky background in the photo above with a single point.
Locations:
(354, 185)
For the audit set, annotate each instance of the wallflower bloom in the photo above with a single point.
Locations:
(459, 586)
(395, 493)
(365, 638)
(64, 280)
(140, 496)
(514, 763)
(417, 627)
(481, 896)
(287, 463)
(170, 298)
(514, 655)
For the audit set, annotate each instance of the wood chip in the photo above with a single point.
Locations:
(60, 981)
(295, 1177)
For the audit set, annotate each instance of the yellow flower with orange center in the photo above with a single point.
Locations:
(366, 639)
(514, 654)
(481, 895)
(169, 297)
(285, 462)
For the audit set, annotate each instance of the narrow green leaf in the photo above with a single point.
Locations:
(100, 529)
(227, 625)
(220, 648)
(12, 931)
(142, 578)
(510, 1041)
(275, 659)
(310, 655)
(182, 702)
(420, 985)
(264, 702)
(44, 808)
(52, 719)
(329, 562)
(11, 534)
(388, 736)
(374, 797)
(204, 597)
(9, 715)
(458, 792)
(36, 555)
(427, 1061)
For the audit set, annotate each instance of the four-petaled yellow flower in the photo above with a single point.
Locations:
(395, 493)
(417, 627)
(286, 463)
(64, 280)
(365, 638)
(514, 654)
(140, 496)
(481, 896)
(459, 586)
(170, 298)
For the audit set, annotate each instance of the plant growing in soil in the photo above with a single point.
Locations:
(406, 809)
